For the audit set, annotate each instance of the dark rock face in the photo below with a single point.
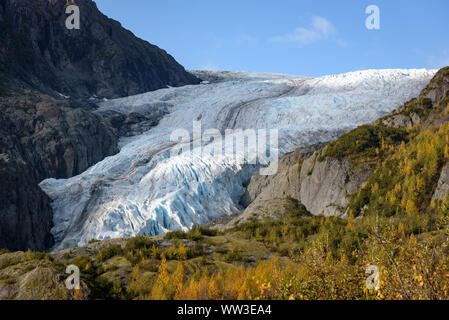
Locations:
(57, 137)
(25, 212)
(438, 88)
(41, 137)
(133, 123)
(100, 59)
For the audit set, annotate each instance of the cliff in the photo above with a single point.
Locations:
(100, 59)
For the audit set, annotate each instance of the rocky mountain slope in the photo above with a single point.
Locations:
(100, 59)
(271, 196)
(49, 129)
(326, 181)
(40, 138)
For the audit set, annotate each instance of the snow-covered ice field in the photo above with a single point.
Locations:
(144, 191)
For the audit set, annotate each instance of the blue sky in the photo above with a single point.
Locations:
(309, 38)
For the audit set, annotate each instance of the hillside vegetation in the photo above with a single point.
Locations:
(396, 222)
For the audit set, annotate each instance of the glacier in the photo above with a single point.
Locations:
(146, 189)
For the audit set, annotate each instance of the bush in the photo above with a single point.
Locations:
(365, 142)
(208, 232)
(109, 252)
(140, 248)
(234, 255)
(178, 252)
(196, 234)
(32, 255)
(140, 242)
(85, 264)
(426, 103)
(177, 234)
(8, 263)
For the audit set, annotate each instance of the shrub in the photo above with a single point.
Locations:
(426, 103)
(8, 263)
(196, 234)
(208, 232)
(109, 252)
(84, 263)
(178, 252)
(32, 255)
(140, 248)
(365, 141)
(140, 242)
(177, 234)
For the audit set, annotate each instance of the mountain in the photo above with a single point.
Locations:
(335, 179)
(42, 137)
(48, 124)
(397, 221)
(146, 189)
(101, 59)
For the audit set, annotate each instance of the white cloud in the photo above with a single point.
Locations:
(323, 26)
(320, 29)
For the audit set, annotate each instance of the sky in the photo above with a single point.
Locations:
(306, 38)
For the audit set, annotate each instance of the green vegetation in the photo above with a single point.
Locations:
(442, 108)
(366, 142)
(294, 257)
(404, 184)
(109, 252)
(443, 73)
(284, 235)
(195, 234)
(421, 107)
(393, 223)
